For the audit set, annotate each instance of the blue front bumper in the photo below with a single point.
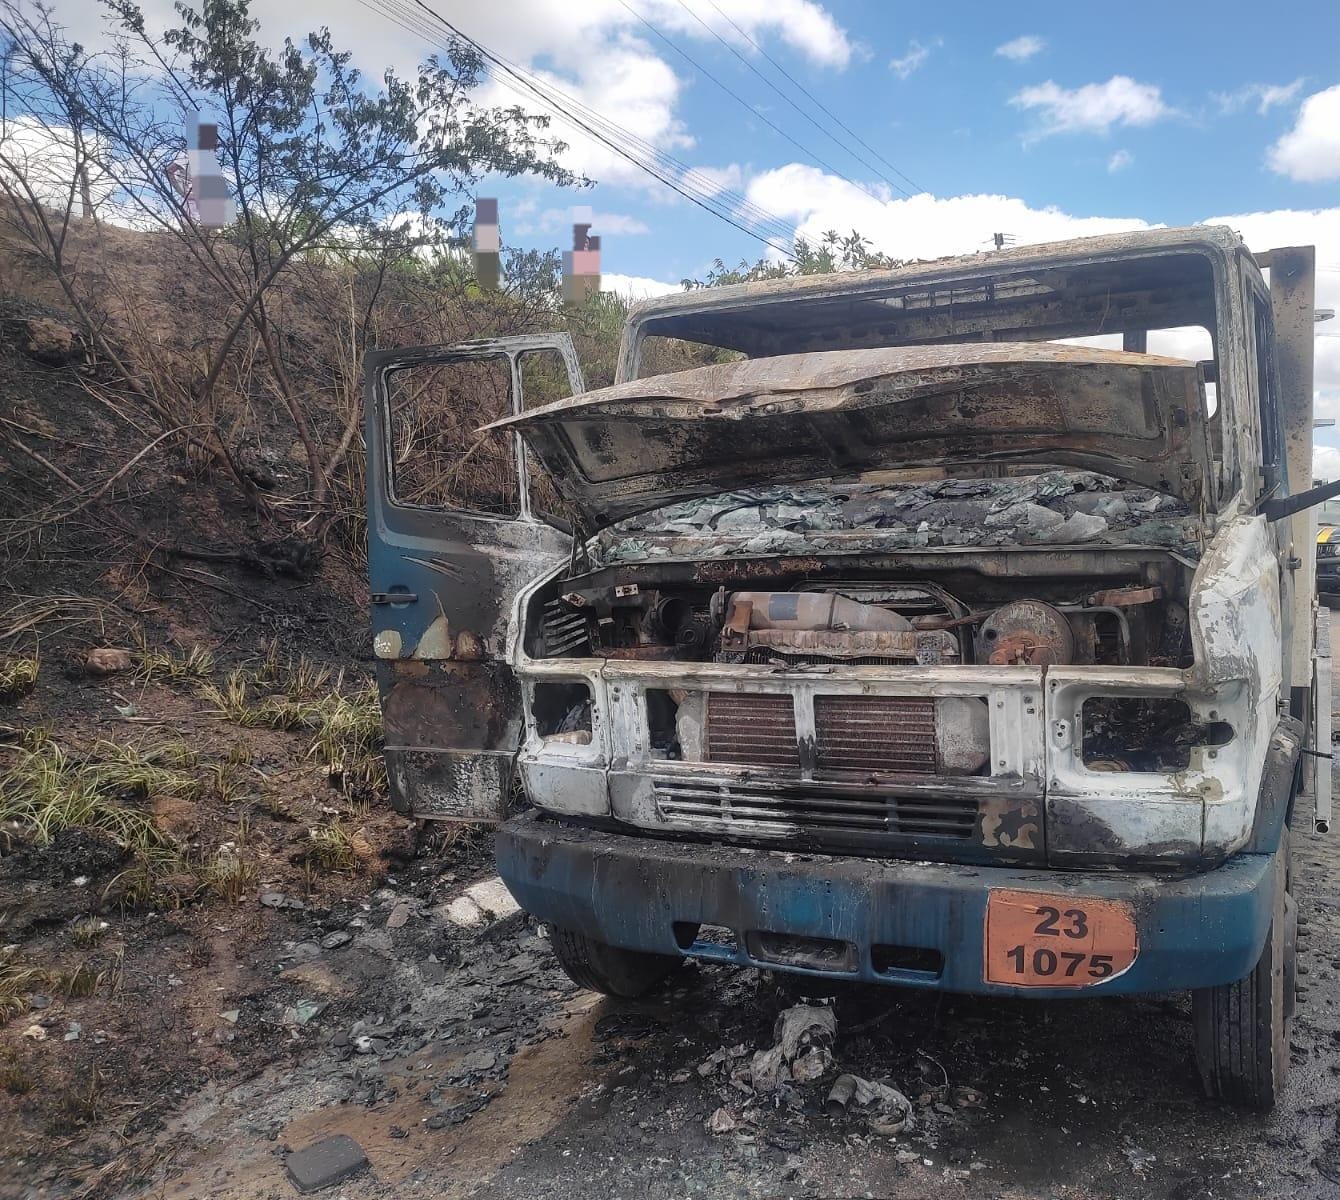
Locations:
(917, 924)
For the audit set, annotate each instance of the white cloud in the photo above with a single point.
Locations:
(1325, 463)
(923, 226)
(913, 60)
(1119, 161)
(1264, 96)
(636, 287)
(1022, 48)
(1310, 151)
(597, 52)
(1093, 108)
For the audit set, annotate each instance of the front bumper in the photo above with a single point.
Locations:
(642, 893)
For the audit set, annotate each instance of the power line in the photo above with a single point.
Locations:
(827, 133)
(704, 191)
(815, 99)
(684, 54)
(692, 186)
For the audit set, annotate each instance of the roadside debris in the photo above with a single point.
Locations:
(722, 1121)
(325, 1163)
(802, 1050)
(890, 1111)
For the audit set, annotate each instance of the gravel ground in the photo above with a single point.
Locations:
(476, 1069)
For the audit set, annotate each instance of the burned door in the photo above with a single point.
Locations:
(454, 532)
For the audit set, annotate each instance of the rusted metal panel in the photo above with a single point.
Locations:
(875, 733)
(644, 444)
(752, 730)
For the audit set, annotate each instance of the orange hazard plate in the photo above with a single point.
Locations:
(1036, 939)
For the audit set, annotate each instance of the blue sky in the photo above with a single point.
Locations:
(958, 121)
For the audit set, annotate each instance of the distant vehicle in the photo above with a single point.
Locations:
(1328, 548)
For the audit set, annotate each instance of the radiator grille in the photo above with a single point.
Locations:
(875, 733)
(733, 808)
(753, 730)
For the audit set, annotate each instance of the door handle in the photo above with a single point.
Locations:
(393, 597)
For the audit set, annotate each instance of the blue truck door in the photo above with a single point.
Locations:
(453, 536)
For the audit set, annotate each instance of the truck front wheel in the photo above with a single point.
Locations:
(1242, 1028)
(608, 969)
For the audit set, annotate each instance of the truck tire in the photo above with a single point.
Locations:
(1242, 1028)
(608, 969)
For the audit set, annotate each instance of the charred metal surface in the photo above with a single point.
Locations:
(1150, 279)
(452, 729)
(644, 444)
(1275, 802)
(632, 891)
(1071, 509)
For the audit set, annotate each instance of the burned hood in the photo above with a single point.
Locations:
(650, 442)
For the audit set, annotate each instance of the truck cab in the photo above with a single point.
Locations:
(951, 627)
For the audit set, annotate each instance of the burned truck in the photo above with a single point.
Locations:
(949, 626)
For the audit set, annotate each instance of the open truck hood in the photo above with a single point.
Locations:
(643, 444)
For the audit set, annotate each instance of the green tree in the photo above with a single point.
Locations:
(832, 253)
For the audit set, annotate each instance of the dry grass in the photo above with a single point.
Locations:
(45, 791)
(346, 726)
(16, 985)
(162, 665)
(228, 874)
(18, 677)
(332, 848)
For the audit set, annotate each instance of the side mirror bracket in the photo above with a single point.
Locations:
(1277, 508)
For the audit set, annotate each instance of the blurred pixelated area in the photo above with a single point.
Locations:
(581, 264)
(487, 243)
(198, 178)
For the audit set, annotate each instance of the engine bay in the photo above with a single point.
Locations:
(860, 622)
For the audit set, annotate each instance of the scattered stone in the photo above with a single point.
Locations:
(1139, 1158)
(73, 1032)
(104, 660)
(482, 904)
(474, 1063)
(399, 915)
(325, 1163)
(50, 342)
(35, 1033)
(39, 1001)
(272, 899)
(680, 1077)
(230, 1015)
(333, 941)
(966, 1097)
(722, 1121)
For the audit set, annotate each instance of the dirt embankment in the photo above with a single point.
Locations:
(187, 723)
